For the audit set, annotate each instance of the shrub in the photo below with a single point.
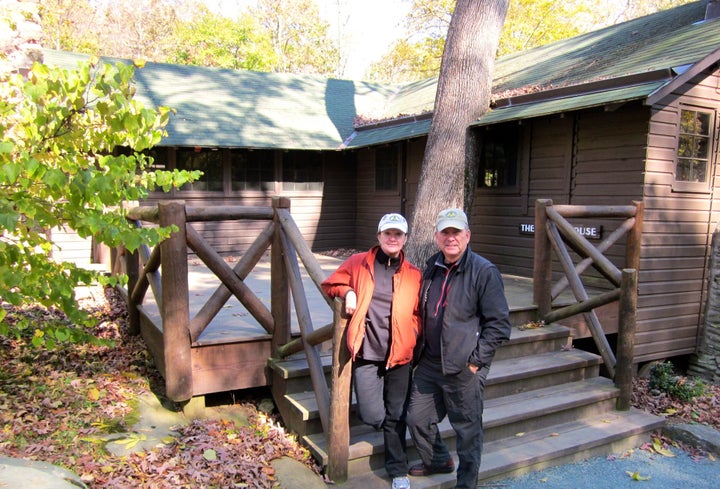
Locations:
(664, 379)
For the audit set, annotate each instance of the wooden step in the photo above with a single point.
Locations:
(506, 377)
(294, 375)
(613, 432)
(509, 417)
(514, 375)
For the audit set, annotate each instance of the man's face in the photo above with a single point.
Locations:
(452, 242)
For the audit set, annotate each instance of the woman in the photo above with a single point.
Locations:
(381, 289)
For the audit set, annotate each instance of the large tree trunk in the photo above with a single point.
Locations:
(448, 173)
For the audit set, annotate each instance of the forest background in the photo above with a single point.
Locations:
(390, 41)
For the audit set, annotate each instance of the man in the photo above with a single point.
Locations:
(381, 290)
(465, 318)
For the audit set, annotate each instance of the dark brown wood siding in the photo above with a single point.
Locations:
(372, 204)
(676, 234)
(325, 216)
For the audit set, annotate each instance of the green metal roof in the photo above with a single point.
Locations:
(228, 108)
(557, 106)
(233, 108)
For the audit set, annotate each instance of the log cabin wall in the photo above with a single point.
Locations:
(678, 229)
(324, 209)
(374, 202)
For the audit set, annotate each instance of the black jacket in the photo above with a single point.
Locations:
(476, 318)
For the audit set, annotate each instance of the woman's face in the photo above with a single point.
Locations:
(392, 241)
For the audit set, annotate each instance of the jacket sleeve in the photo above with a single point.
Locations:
(494, 328)
(341, 280)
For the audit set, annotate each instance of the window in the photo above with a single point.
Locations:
(302, 171)
(498, 159)
(252, 170)
(694, 149)
(386, 168)
(208, 161)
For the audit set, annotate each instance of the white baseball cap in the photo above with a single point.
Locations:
(393, 221)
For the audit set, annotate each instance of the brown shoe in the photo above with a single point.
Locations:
(420, 470)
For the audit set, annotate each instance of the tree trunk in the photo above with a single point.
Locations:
(448, 174)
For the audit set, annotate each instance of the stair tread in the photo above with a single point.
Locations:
(297, 365)
(501, 371)
(505, 410)
(512, 368)
(504, 456)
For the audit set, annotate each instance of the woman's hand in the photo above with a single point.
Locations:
(350, 302)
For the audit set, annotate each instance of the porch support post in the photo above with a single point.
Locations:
(132, 264)
(279, 283)
(542, 266)
(339, 424)
(175, 309)
(626, 338)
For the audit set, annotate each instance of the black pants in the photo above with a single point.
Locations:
(460, 397)
(381, 400)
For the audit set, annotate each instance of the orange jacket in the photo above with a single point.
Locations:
(356, 273)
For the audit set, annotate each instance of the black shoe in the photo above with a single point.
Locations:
(420, 470)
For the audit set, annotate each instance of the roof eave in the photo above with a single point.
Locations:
(683, 78)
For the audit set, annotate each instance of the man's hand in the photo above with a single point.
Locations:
(473, 368)
(350, 302)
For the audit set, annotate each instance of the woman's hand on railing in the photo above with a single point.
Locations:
(350, 302)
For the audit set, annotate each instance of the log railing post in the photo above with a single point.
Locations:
(626, 338)
(542, 267)
(634, 239)
(279, 282)
(132, 265)
(339, 425)
(175, 310)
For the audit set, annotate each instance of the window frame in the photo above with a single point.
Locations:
(391, 163)
(691, 186)
(315, 163)
(508, 130)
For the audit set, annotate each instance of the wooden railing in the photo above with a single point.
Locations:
(553, 232)
(171, 341)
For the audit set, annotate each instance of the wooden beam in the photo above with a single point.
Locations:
(578, 289)
(312, 266)
(318, 336)
(228, 213)
(542, 266)
(279, 285)
(175, 299)
(626, 339)
(339, 433)
(583, 247)
(221, 295)
(223, 271)
(317, 374)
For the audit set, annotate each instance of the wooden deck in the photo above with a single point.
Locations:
(232, 352)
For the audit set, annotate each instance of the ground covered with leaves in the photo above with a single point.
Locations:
(56, 406)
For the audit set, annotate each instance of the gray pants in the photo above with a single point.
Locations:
(459, 397)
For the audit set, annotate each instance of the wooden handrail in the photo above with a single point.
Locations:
(554, 232)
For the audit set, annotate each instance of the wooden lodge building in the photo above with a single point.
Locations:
(627, 113)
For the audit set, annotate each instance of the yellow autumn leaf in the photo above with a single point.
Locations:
(93, 394)
(522, 433)
(636, 476)
(658, 447)
(711, 457)
(669, 412)
(139, 63)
